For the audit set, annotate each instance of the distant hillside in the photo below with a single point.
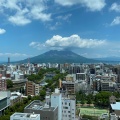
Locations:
(109, 59)
(55, 56)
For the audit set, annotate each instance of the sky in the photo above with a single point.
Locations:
(90, 28)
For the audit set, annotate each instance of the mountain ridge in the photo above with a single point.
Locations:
(55, 56)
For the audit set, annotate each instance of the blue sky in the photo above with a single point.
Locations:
(28, 28)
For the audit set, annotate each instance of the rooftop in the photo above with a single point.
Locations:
(26, 115)
(1, 98)
(16, 93)
(55, 94)
(116, 106)
(38, 105)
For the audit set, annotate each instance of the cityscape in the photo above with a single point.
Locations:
(59, 60)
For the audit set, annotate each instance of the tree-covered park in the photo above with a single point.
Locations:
(100, 99)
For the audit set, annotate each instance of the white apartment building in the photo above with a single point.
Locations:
(66, 105)
(25, 116)
(56, 100)
(68, 108)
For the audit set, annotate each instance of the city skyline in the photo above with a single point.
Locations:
(87, 27)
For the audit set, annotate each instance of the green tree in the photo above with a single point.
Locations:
(102, 98)
(82, 102)
(42, 94)
(9, 83)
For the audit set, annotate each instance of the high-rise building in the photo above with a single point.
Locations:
(8, 61)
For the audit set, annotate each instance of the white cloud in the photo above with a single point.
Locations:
(60, 20)
(115, 7)
(74, 41)
(92, 5)
(37, 45)
(19, 20)
(32, 43)
(2, 31)
(116, 21)
(22, 12)
(55, 26)
(36, 13)
(65, 17)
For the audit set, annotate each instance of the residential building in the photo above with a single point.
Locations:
(81, 76)
(56, 101)
(25, 116)
(32, 88)
(69, 85)
(107, 85)
(3, 83)
(68, 108)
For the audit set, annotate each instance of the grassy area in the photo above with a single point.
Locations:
(92, 111)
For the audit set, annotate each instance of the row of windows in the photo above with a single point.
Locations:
(66, 115)
(65, 111)
(66, 103)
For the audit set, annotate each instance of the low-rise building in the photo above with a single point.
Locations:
(15, 98)
(113, 116)
(115, 108)
(25, 116)
(46, 112)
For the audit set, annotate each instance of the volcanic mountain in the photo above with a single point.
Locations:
(55, 56)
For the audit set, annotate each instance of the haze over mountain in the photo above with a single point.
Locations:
(112, 58)
(55, 56)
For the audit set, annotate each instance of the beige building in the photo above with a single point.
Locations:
(32, 88)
